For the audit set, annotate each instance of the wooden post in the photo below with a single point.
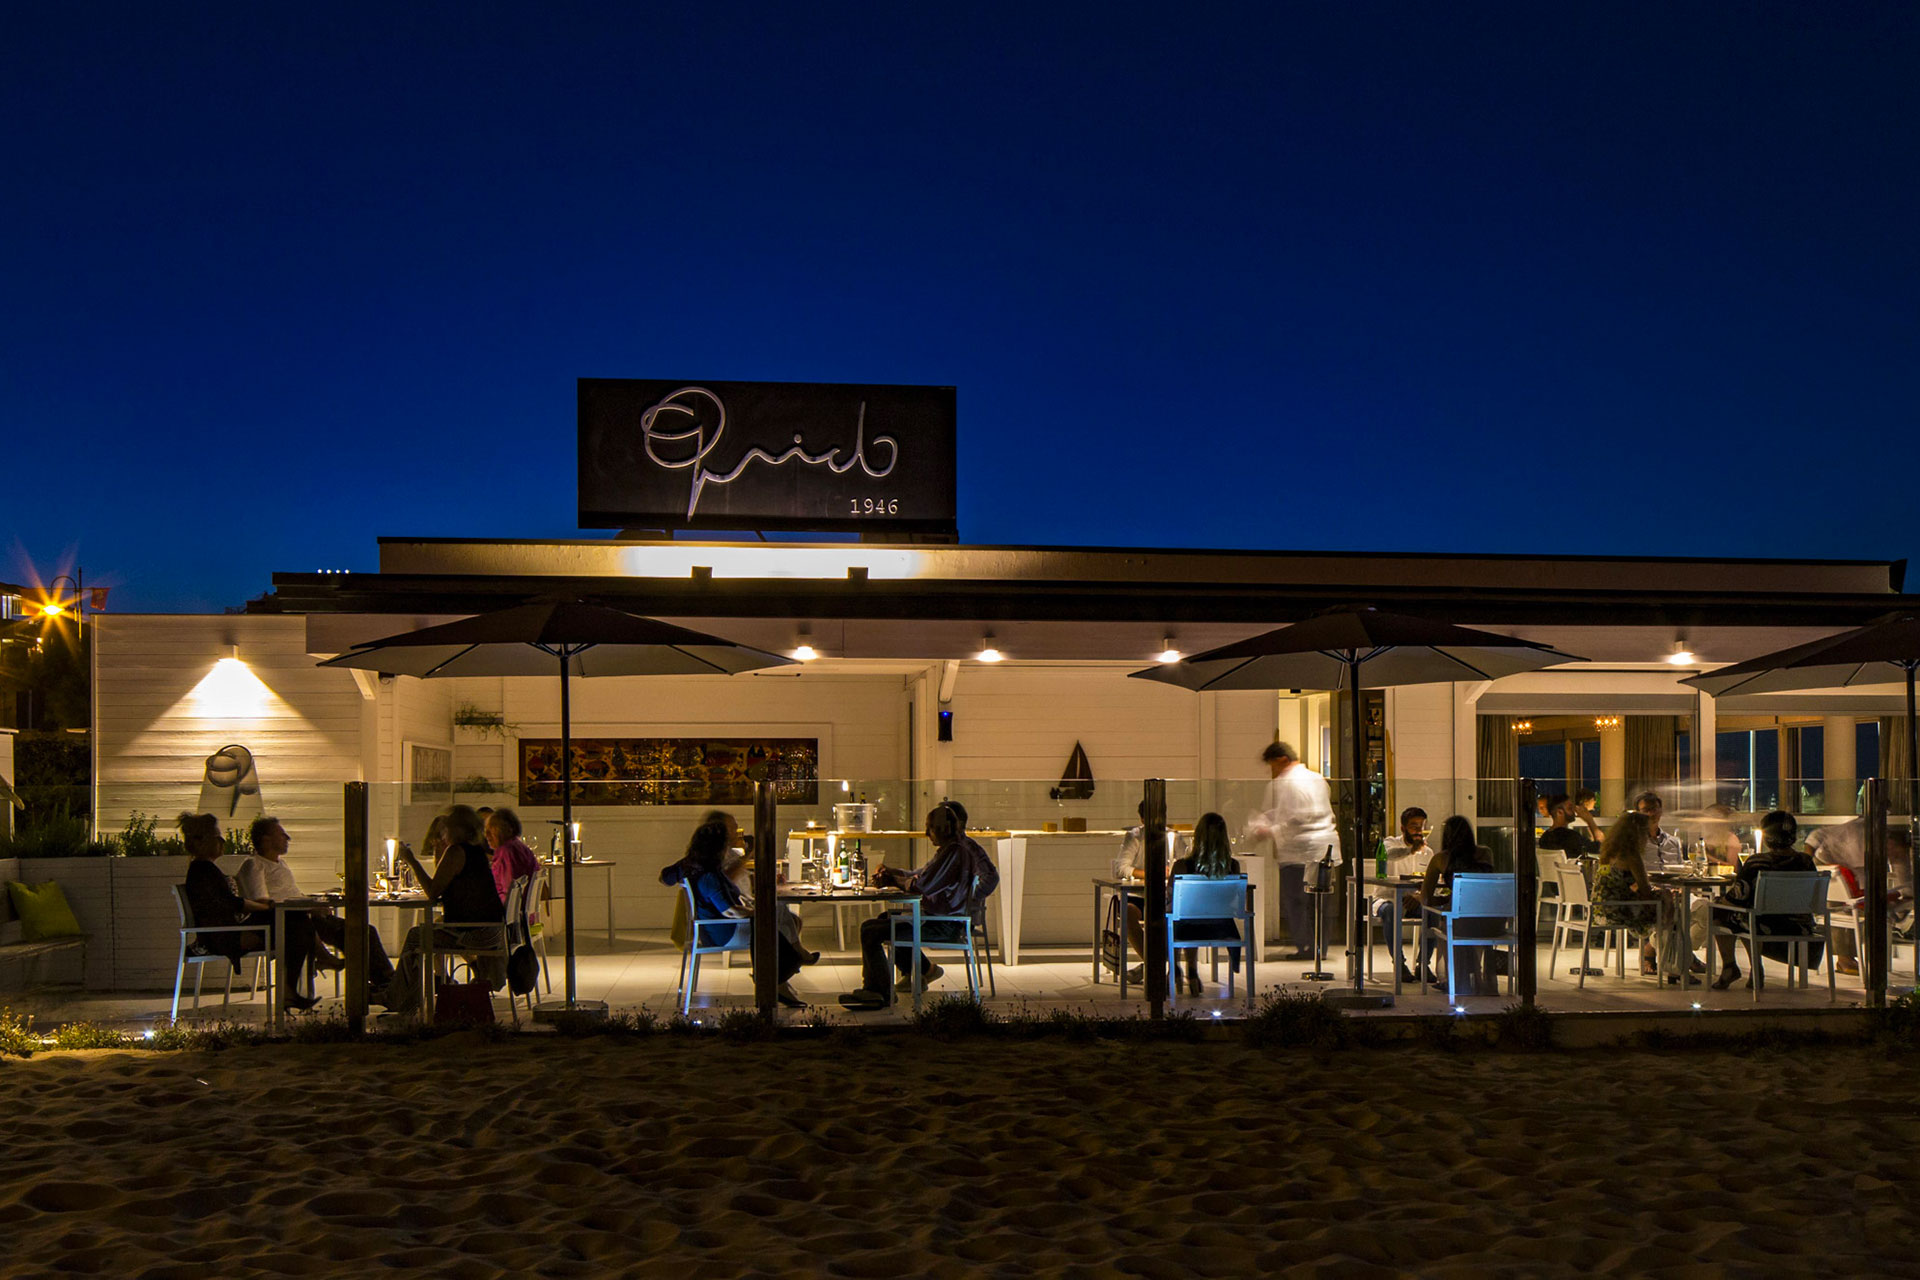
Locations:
(1155, 833)
(353, 878)
(767, 848)
(1874, 942)
(1526, 897)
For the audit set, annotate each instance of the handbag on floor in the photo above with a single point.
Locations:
(1112, 944)
(461, 1003)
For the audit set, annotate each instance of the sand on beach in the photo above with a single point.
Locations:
(901, 1155)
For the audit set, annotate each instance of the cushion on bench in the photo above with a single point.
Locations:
(43, 911)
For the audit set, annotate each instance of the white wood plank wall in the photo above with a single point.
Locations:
(157, 718)
(1015, 728)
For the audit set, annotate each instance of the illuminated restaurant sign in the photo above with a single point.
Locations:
(660, 454)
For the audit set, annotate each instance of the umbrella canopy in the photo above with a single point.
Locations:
(1885, 651)
(557, 637)
(1357, 647)
(526, 640)
(1390, 649)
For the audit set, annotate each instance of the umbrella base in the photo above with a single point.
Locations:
(549, 1012)
(1316, 975)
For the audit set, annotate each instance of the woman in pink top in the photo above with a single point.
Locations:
(511, 857)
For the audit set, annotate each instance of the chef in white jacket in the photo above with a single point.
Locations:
(1298, 819)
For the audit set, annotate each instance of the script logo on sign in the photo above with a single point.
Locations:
(766, 455)
(683, 429)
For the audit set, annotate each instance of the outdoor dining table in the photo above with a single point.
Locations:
(1102, 888)
(1401, 886)
(799, 893)
(554, 869)
(1686, 884)
(331, 899)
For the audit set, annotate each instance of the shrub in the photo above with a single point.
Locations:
(142, 840)
(951, 1017)
(16, 1035)
(88, 1035)
(745, 1024)
(1290, 1020)
(1524, 1027)
(56, 835)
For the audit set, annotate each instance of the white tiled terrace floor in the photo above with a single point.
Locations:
(642, 971)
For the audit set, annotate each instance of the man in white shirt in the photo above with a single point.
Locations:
(1131, 864)
(1406, 855)
(1299, 820)
(265, 877)
(1663, 847)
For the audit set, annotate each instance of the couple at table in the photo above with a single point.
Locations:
(314, 935)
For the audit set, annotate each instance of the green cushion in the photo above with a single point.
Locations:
(43, 911)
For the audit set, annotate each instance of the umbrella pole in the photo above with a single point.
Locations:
(566, 815)
(1913, 796)
(1356, 864)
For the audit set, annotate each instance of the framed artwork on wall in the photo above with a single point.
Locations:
(671, 771)
(427, 772)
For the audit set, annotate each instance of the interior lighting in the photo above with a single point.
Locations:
(1167, 652)
(987, 652)
(1606, 722)
(1523, 726)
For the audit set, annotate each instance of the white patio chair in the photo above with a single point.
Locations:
(1849, 913)
(190, 931)
(513, 932)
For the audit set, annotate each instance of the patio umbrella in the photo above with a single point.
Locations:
(1885, 651)
(1355, 647)
(572, 637)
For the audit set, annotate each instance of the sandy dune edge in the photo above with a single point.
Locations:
(901, 1156)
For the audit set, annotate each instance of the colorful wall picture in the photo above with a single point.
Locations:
(671, 771)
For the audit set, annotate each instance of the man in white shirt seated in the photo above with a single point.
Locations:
(1406, 855)
(1131, 864)
(1663, 847)
(266, 877)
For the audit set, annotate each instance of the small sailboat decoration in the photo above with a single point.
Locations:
(1077, 782)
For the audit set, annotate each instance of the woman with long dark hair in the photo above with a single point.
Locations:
(716, 897)
(1460, 851)
(1211, 857)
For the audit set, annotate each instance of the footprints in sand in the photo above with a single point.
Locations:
(676, 1160)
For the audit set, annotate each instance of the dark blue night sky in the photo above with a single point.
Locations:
(1543, 278)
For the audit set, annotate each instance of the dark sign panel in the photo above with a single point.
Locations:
(766, 455)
